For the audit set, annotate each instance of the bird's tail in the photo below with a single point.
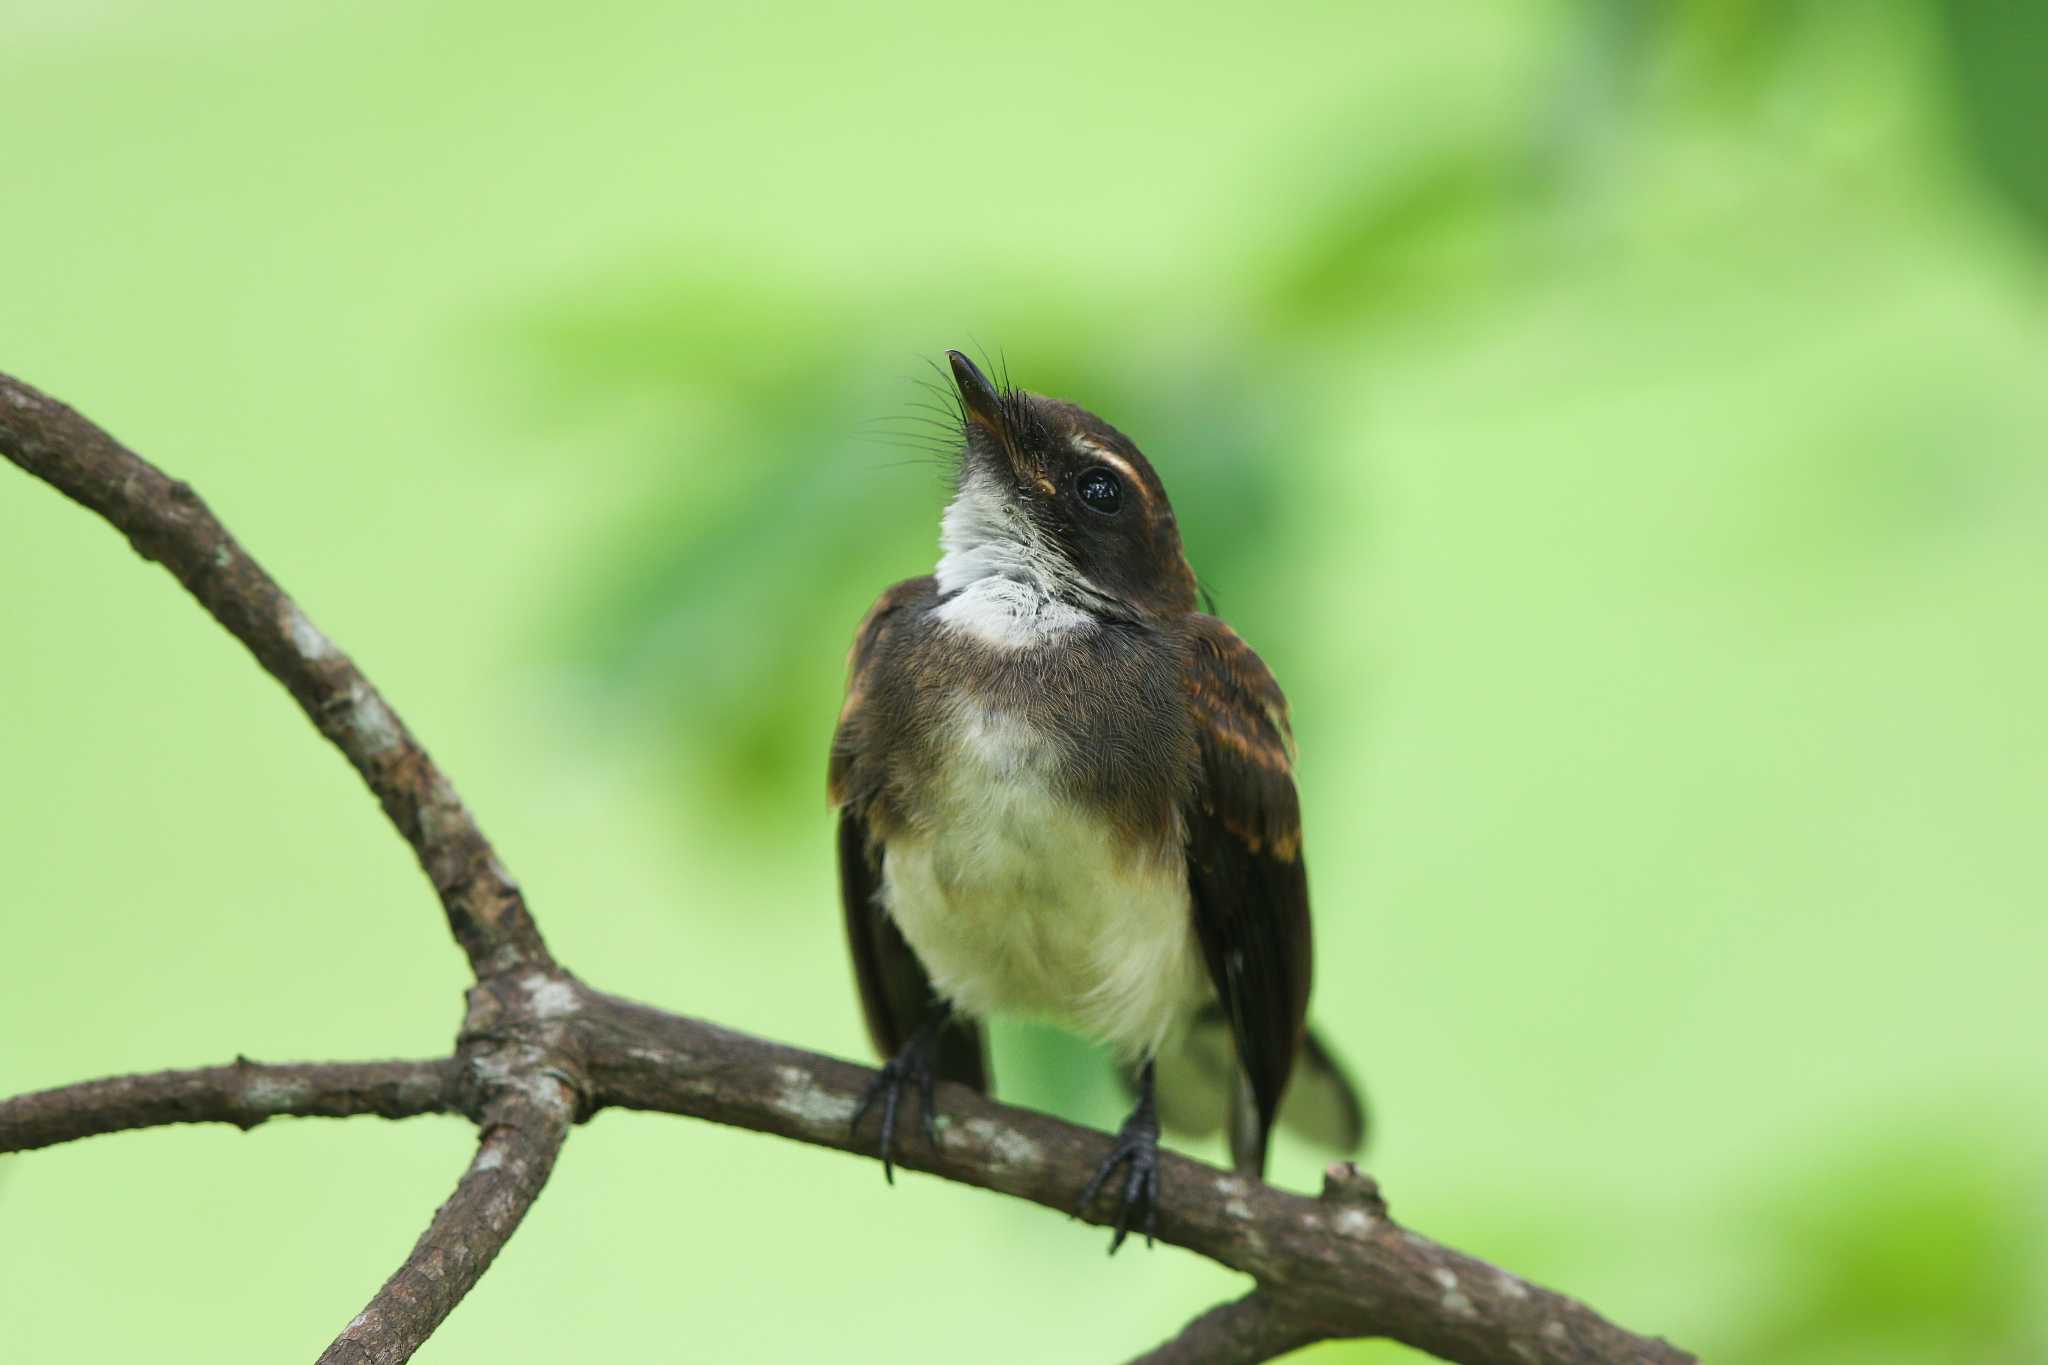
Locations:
(1201, 1086)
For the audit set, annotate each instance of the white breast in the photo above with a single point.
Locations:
(1018, 902)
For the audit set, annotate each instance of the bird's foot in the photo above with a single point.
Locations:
(912, 1067)
(1137, 1149)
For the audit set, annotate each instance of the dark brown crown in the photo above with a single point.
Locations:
(1054, 456)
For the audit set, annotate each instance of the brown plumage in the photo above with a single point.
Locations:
(1063, 790)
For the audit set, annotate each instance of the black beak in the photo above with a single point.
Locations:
(983, 407)
(978, 398)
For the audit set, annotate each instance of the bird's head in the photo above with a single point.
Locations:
(1052, 495)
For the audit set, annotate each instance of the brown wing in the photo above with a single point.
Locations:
(1245, 877)
(895, 993)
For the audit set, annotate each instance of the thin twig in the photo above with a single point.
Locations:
(244, 1093)
(166, 521)
(523, 1131)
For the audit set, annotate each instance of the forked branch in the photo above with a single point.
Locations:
(540, 1051)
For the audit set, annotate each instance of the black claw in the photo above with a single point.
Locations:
(912, 1066)
(925, 1083)
(889, 1129)
(881, 1085)
(1137, 1145)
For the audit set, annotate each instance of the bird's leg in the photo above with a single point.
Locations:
(1137, 1145)
(912, 1065)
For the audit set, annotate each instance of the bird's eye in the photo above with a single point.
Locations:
(1099, 491)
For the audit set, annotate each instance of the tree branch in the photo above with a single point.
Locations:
(1339, 1264)
(1241, 1332)
(523, 1130)
(166, 521)
(244, 1093)
(539, 1050)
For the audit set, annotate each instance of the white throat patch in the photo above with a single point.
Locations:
(1003, 581)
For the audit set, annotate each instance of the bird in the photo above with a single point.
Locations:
(1065, 792)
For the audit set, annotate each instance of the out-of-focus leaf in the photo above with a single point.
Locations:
(727, 624)
(1718, 48)
(1998, 50)
(718, 336)
(1394, 243)
(1907, 1250)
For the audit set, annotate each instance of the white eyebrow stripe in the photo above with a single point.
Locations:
(1087, 446)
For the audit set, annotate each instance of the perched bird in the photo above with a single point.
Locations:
(1065, 792)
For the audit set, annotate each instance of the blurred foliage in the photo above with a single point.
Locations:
(1997, 48)
(1619, 423)
(1914, 1248)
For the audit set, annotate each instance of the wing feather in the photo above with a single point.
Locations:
(1247, 884)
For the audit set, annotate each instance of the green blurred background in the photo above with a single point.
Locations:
(1619, 425)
